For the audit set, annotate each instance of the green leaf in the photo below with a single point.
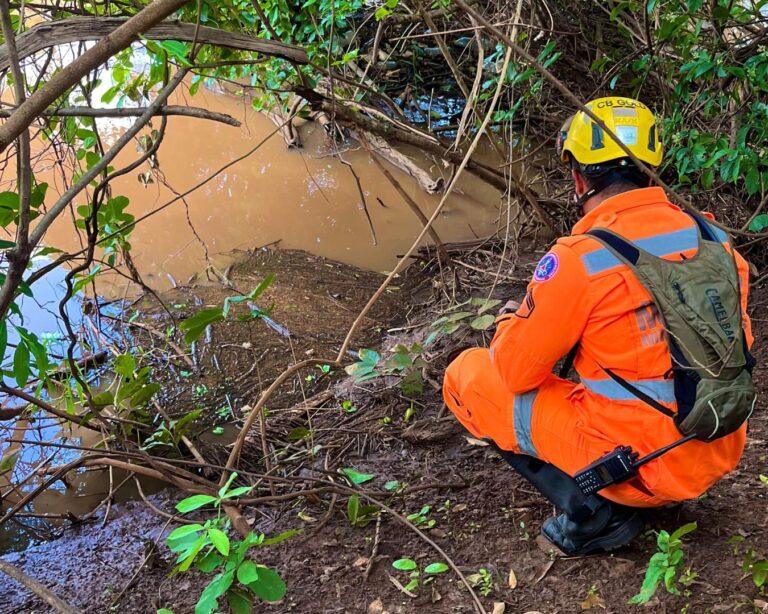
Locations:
(412, 585)
(219, 540)
(164, 611)
(255, 293)
(176, 49)
(209, 598)
(194, 502)
(240, 601)
(405, 564)
(392, 485)
(760, 223)
(125, 365)
(183, 531)
(361, 371)
(369, 356)
(188, 557)
(483, 322)
(21, 369)
(764, 479)
(237, 492)
(652, 578)
(353, 508)
(247, 572)
(436, 568)
(195, 325)
(760, 573)
(209, 562)
(684, 530)
(356, 477)
(103, 399)
(7, 244)
(270, 586)
(281, 537)
(144, 394)
(9, 462)
(3, 338)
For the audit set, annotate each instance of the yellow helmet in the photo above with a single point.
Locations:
(628, 119)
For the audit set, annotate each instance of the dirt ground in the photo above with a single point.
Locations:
(485, 516)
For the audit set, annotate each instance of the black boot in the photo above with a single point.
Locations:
(590, 524)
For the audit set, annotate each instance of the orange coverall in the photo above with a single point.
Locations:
(582, 293)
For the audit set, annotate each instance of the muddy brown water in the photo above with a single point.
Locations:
(305, 199)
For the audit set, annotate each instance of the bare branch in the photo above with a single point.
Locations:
(79, 29)
(195, 112)
(38, 589)
(109, 45)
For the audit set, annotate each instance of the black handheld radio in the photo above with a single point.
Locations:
(618, 466)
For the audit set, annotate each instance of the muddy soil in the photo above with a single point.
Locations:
(485, 517)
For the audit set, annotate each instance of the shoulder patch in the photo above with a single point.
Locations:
(547, 267)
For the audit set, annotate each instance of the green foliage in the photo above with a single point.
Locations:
(360, 515)
(665, 565)
(170, 435)
(753, 563)
(478, 318)
(421, 518)
(416, 577)
(715, 88)
(208, 547)
(356, 477)
(406, 363)
(195, 325)
(483, 581)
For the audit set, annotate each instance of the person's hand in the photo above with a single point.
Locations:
(509, 307)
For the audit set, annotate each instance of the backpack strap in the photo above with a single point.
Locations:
(639, 393)
(704, 228)
(631, 254)
(627, 250)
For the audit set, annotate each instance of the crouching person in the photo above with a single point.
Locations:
(650, 302)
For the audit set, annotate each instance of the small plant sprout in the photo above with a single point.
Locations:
(477, 315)
(421, 518)
(324, 369)
(208, 548)
(416, 577)
(409, 413)
(348, 406)
(394, 486)
(360, 515)
(483, 581)
(666, 565)
(753, 564)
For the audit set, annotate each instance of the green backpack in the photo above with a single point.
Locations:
(699, 304)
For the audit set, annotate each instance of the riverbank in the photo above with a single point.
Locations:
(457, 492)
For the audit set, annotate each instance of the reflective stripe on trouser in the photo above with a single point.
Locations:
(550, 423)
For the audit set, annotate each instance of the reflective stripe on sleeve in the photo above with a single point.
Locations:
(661, 390)
(523, 413)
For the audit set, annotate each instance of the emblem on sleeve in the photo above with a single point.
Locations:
(547, 267)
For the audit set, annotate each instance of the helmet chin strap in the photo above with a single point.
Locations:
(598, 186)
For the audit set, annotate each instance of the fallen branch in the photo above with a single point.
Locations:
(137, 112)
(79, 29)
(402, 162)
(38, 589)
(443, 255)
